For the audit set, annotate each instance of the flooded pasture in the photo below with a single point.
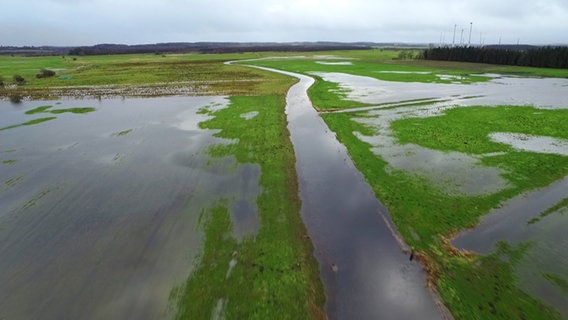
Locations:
(99, 211)
(537, 218)
(530, 218)
(365, 271)
(500, 90)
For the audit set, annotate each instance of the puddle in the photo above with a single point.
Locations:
(454, 173)
(366, 274)
(526, 142)
(338, 63)
(404, 72)
(106, 224)
(249, 115)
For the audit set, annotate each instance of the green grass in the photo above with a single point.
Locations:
(467, 130)
(378, 70)
(418, 208)
(45, 109)
(206, 74)
(276, 276)
(28, 123)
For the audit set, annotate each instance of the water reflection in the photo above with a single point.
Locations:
(99, 213)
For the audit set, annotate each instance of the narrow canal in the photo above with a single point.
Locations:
(364, 269)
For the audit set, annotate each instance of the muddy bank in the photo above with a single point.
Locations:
(365, 272)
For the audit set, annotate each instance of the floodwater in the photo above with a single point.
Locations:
(454, 173)
(517, 222)
(99, 211)
(543, 269)
(539, 92)
(366, 273)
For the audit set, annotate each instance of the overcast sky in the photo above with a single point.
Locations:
(88, 22)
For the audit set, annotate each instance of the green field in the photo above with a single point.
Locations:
(279, 258)
(474, 287)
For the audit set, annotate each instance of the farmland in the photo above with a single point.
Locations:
(423, 134)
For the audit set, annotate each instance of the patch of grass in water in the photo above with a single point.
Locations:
(555, 208)
(29, 123)
(326, 95)
(46, 109)
(41, 109)
(276, 275)
(123, 133)
(560, 282)
(13, 181)
(9, 161)
(73, 110)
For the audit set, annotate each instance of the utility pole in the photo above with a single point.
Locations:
(461, 38)
(454, 39)
(470, 27)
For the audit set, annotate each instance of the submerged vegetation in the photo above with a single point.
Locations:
(473, 286)
(272, 274)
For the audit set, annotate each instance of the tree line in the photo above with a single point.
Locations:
(543, 57)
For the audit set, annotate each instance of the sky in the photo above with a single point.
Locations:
(89, 22)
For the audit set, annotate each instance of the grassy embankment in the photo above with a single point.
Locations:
(474, 287)
(275, 275)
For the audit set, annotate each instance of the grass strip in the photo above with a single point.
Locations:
(275, 275)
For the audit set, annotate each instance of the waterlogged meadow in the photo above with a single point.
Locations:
(175, 207)
(443, 147)
(185, 203)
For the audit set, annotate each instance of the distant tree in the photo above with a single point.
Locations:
(548, 57)
(18, 79)
(45, 73)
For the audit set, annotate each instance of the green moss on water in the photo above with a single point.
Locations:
(275, 276)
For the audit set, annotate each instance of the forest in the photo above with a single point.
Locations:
(542, 57)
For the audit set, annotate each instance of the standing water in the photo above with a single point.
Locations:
(365, 272)
(99, 211)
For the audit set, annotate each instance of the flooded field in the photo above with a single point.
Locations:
(535, 219)
(365, 271)
(100, 203)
